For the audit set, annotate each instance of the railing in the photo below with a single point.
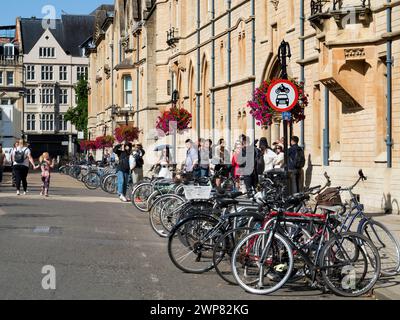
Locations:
(337, 5)
(11, 60)
(172, 36)
(316, 6)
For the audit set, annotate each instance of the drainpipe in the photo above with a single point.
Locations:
(112, 85)
(302, 78)
(213, 69)
(253, 59)
(137, 78)
(229, 49)
(326, 130)
(389, 64)
(198, 71)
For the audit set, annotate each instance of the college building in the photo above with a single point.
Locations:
(214, 53)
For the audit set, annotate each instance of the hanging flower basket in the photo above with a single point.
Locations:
(86, 145)
(181, 116)
(127, 133)
(104, 142)
(263, 113)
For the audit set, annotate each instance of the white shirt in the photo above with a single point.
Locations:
(280, 160)
(269, 157)
(27, 154)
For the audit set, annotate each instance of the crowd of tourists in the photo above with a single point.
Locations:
(247, 161)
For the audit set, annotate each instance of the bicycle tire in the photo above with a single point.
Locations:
(349, 281)
(197, 250)
(276, 260)
(388, 248)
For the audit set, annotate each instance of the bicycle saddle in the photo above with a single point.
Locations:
(223, 203)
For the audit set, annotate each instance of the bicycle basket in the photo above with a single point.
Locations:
(197, 192)
(329, 197)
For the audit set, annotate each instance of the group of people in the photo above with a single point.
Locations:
(247, 161)
(21, 159)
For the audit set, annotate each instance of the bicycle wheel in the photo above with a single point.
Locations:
(191, 243)
(222, 253)
(262, 278)
(140, 195)
(92, 181)
(162, 209)
(350, 264)
(110, 184)
(388, 246)
(169, 213)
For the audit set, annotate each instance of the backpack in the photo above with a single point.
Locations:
(19, 156)
(300, 160)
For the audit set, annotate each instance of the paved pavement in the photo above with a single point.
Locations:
(100, 248)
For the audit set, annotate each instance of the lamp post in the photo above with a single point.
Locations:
(284, 53)
(174, 99)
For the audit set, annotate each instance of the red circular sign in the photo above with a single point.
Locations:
(282, 95)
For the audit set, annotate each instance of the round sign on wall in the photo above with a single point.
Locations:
(282, 95)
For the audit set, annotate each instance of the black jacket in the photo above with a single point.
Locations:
(123, 156)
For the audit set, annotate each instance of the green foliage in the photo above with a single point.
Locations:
(79, 115)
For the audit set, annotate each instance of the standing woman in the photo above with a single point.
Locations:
(165, 162)
(21, 157)
(123, 152)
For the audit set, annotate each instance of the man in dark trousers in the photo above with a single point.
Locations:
(296, 164)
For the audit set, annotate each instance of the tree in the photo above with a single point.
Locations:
(79, 115)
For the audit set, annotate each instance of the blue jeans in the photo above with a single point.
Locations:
(204, 172)
(123, 179)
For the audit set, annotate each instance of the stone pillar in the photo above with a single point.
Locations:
(275, 130)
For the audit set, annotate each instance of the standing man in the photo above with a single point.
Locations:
(20, 158)
(192, 157)
(123, 152)
(296, 163)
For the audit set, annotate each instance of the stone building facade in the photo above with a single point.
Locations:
(215, 52)
(53, 64)
(11, 86)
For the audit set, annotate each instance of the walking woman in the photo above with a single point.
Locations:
(21, 157)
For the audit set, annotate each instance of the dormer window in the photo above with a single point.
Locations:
(9, 50)
(47, 52)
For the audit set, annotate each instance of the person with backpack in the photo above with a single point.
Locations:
(296, 163)
(123, 151)
(21, 157)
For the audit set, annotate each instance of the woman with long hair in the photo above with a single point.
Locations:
(164, 162)
(21, 157)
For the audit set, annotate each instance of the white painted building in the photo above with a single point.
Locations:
(53, 65)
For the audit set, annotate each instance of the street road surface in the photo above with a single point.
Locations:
(100, 249)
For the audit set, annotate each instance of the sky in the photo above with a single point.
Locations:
(30, 8)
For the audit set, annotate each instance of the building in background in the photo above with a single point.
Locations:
(11, 86)
(53, 64)
(216, 52)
